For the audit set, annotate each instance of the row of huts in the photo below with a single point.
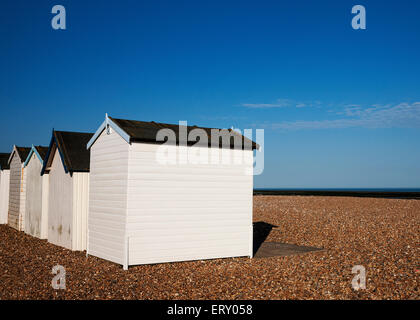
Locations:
(106, 193)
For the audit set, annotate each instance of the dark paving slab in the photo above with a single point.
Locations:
(278, 249)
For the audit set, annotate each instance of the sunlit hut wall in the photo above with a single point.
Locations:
(67, 163)
(17, 188)
(36, 208)
(4, 186)
(142, 211)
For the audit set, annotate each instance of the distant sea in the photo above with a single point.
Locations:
(402, 193)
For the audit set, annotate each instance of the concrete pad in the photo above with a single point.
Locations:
(278, 249)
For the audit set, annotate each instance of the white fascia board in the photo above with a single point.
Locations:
(11, 155)
(118, 130)
(113, 125)
(96, 135)
(33, 150)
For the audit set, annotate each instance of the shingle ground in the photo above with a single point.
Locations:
(383, 235)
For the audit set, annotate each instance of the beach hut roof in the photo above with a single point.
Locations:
(21, 151)
(142, 131)
(4, 161)
(72, 149)
(40, 152)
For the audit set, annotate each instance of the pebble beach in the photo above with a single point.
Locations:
(382, 235)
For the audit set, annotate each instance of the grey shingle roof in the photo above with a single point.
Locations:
(23, 153)
(141, 131)
(72, 148)
(4, 158)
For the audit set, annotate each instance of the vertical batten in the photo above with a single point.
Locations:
(44, 210)
(80, 209)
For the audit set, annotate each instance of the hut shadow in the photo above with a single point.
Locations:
(261, 231)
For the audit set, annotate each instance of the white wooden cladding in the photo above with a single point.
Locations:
(45, 204)
(60, 204)
(178, 212)
(80, 210)
(68, 206)
(141, 211)
(4, 195)
(108, 197)
(17, 194)
(36, 209)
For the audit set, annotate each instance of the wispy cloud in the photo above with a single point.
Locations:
(222, 118)
(403, 115)
(281, 103)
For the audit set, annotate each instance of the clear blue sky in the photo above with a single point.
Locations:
(340, 107)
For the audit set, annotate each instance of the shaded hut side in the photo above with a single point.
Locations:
(36, 208)
(67, 163)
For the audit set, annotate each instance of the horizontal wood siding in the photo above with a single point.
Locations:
(108, 197)
(187, 211)
(22, 209)
(4, 195)
(16, 191)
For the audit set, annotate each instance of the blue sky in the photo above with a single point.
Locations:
(340, 107)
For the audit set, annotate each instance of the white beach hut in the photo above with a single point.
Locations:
(36, 208)
(67, 163)
(4, 186)
(17, 188)
(143, 210)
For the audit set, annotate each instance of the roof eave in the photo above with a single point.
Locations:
(28, 158)
(102, 127)
(48, 155)
(11, 154)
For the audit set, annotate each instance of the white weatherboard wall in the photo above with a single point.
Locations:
(144, 212)
(4, 195)
(17, 194)
(108, 197)
(36, 209)
(185, 211)
(68, 203)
